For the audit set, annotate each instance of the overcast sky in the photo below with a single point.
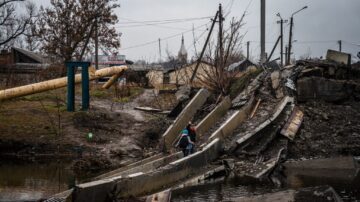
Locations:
(316, 29)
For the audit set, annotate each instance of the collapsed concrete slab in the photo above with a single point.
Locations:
(139, 184)
(339, 57)
(184, 117)
(211, 119)
(145, 167)
(234, 121)
(251, 135)
(130, 166)
(331, 170)
(318, 88)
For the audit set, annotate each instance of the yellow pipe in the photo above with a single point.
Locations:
(111, 81)
(56, 83)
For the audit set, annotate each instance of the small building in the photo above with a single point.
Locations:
(182, 75)
(21, 61)
(241, 67)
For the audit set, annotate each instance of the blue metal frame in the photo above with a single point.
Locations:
(71, 69)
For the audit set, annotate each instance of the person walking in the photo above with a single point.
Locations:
(185, 143)
(192, 134)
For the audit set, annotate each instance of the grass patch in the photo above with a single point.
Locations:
(98, 93)
(121, 100)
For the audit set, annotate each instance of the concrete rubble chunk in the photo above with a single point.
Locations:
(275, 79)
(339, 57)
(293, 124)
(315, 88)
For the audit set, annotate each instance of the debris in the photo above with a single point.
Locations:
(293, 124)
(164, 196)
(148, 109)
(255, 108)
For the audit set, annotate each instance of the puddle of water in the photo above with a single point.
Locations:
(222, 191)
(33, 181)
(219, 191)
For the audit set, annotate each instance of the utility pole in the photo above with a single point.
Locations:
(247, 49)
(221, 46)
(290, 40)
(281, 22)
(96, 44)
(221, 35)
(282, 41)
(290, 34)
(340, 45)
(160, 50)
(286, 53)
(262, 30)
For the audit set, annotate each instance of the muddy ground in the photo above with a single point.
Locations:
(39, 127)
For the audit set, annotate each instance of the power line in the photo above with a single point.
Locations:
(134, 23)
(167, 20)
(168, 37)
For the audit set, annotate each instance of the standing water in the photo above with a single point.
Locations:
(34, 181)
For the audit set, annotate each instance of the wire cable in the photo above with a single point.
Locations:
(165, 38)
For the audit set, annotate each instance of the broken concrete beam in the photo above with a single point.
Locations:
(258, 170)
(318, 88)
(211, 119)
(324, 193)
(130, 166)
(331, 170)
(171, 174)
(293, 124)
(184, 117)
(250, 135)
(96, 191)
(234, 121)
(140, 184)
(339, 57)
(201, 179)
(150, 166)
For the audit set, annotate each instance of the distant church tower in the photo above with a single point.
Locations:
(182, 55)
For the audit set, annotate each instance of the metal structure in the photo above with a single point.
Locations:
(71, 69)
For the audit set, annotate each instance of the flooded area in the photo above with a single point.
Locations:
(34, 181)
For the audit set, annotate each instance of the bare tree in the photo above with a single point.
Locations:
(67, 26)
(13, 25)
(218, 78)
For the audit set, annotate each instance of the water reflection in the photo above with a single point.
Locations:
(33, 181)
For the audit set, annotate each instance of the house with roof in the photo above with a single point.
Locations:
(238, 68)
(22, 61)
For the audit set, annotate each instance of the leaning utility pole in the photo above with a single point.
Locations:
(340, 45)
(204, 48)
(262, 30)
(281, 22)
